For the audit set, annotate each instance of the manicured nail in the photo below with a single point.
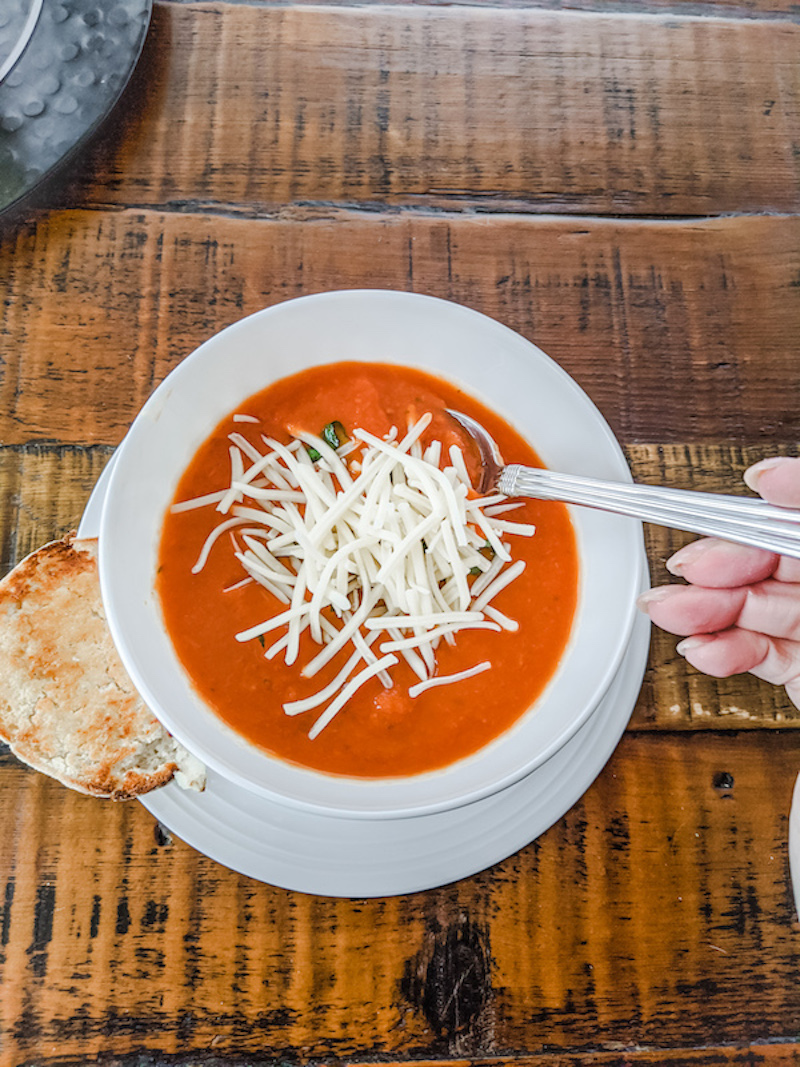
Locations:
(652, 596)
(752, 474)
(689, 554)
(689, 643)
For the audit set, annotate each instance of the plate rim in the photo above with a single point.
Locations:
(235, 761)
(181, 811)
(477, 836)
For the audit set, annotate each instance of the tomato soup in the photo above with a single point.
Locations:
(380, 732)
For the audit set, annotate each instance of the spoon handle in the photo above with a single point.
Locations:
(749, 521)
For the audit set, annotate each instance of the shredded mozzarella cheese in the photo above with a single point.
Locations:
(448, 679)
(390, 544)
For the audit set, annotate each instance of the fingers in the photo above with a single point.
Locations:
(769, 607)
(719, 564)
(788, 570)
(688, 609)
(777, 480)
(772, 608)
(715, 563)
(733, 631)
(738, 651)
(723, 654)
(741, 611)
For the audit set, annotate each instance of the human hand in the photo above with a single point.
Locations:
(740, 610)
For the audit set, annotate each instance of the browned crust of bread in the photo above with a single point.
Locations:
(67, 706)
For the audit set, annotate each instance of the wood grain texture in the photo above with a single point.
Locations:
(553, 168)
(709, 8)
(43, 491)
(677, 332)
(488, 108)
(782, 1055)
(636, 921)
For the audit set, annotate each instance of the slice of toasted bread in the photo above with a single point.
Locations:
(67, 706)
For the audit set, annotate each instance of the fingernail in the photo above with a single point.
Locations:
(752, 474)
(688, 554)
(651, 596)
(689, 643)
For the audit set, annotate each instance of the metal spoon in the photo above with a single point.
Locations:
(746, 520)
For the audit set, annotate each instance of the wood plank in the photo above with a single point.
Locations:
(658, 949)
(714, 1056)
(678, 332)
(43, 491)
(480, 107)
(636, 921)
(708, 8)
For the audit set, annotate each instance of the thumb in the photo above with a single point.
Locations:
(777, 480)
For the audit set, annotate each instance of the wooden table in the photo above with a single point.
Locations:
(619, 183)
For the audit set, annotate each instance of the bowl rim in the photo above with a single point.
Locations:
(132, 608)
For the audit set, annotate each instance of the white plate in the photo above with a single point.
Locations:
(341, 857)
(475, 352)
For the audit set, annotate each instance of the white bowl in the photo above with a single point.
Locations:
(476, 353)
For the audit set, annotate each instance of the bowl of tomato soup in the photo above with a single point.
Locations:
(308, 591)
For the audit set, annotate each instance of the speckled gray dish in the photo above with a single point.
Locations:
(78, 60)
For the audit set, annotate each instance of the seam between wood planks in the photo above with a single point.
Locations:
(477, 205)
(684, 12)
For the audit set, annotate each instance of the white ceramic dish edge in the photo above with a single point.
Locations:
(360, 317)
(339, 857)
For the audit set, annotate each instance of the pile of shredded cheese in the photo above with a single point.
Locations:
(378, 546)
